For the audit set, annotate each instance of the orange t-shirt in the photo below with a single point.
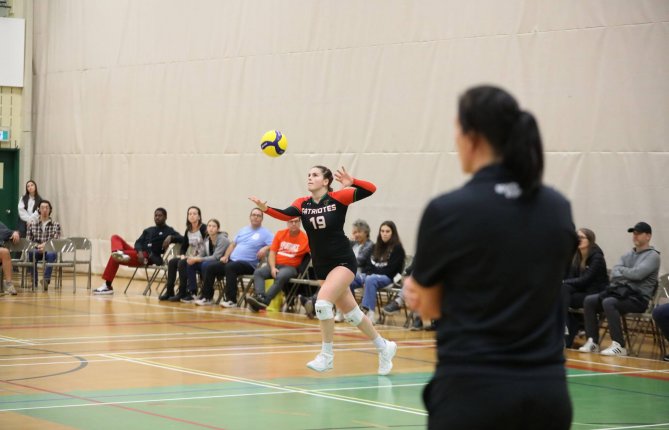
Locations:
(289, 249)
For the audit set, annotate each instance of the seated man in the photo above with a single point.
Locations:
(285, 255)
(633, 282)
(240, 258)
(661, 317)
(5, 257)
(149, 249)
(39, 233)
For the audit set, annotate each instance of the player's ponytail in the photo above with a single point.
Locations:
(512, 132)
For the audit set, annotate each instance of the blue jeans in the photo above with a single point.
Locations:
(371, 283)
(36, 256)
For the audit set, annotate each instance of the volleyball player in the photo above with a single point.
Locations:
(489, 262)
(323, 215)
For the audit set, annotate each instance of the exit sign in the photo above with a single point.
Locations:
(4, 135)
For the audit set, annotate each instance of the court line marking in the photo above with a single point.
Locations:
(14, 340)
(643, 426)
(242, 352)
(287, 389)
(221, 396)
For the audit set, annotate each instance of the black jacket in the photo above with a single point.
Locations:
(184, 239)
(593, 278)
(151, 240)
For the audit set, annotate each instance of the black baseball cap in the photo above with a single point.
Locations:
(641, 227)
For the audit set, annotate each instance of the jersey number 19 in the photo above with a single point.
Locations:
(318, 222)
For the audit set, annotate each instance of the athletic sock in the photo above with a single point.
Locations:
(379, 343)
(328, 348)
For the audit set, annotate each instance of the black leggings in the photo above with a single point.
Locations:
(497, 402)
(172, 266)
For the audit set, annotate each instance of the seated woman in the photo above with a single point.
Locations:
(214, 249)
(386, 261)
(192, 243)
(586, 275)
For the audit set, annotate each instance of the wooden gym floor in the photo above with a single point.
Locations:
(127, 361)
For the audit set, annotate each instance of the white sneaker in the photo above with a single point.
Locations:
(615, 349)
(386, 357)
(11, 290)
(590, 346)
(339, 317)
(120, 256)
(203, 302)
(322, 363)
(228, 304)
(103, 290)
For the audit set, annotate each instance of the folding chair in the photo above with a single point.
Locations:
(392, 291)
(158, 269)
(636, 326)
(19, 252)
(305, 279)
(84, 254)
(66, 256)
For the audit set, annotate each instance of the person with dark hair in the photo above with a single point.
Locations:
(489, 263)
(385, 262)
(39, 232)
(633, 283)
(248, 248)
(323, 215)
(28, 207)
(191, 244)
(214, 249)
(586, 275)
(5, 257)
(149, 249)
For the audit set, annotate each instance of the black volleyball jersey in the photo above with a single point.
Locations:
(324, 221)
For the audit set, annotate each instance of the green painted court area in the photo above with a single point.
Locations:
(601, 401)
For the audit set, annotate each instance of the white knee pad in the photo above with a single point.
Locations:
(323, 310)
(354, 317)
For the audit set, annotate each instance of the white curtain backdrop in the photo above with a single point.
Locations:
(141, 104)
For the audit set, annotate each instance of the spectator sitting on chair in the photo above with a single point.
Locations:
(361, 245)
(633, 282)
(191, 244)
(661, 317)
(149, 249)
(240, 258)
(586, 275)
(394, 307)
(385, 262)
(6, 258)
(216, 245)
(39, 233)
(28, 207)
(285, 255)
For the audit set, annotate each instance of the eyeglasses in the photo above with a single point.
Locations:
(260, 215)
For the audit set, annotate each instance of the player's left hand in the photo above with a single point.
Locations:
(259, 203)
(343, 177)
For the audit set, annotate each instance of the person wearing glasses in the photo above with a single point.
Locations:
(586, 275)
(241, 257)
(288, 249)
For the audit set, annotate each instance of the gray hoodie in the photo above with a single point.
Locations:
(638, 270)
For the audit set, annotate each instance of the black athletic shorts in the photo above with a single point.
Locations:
(322, 268)
(497, 402)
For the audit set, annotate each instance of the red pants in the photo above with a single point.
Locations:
(117, 243)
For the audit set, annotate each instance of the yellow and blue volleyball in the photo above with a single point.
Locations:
(273, 143)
